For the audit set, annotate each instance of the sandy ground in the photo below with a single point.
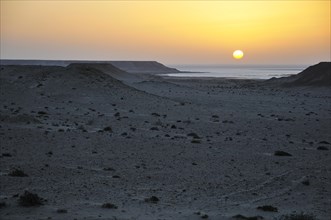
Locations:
(204, 147)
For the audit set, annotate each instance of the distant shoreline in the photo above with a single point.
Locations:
(180, 71)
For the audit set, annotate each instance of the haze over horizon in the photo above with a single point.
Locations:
(185, 32)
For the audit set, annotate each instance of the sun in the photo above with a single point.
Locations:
(238, 54)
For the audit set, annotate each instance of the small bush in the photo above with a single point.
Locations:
(30, 199)
(108, 128)
(108, 169)
(306, 182)
(152, 199)
(2, 205)
(204, 216)
(108, 206)
(268, 208)
(62, 211)
(241, 217)
(195, 141)
(17, 173)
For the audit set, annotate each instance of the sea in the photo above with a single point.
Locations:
(237, 72)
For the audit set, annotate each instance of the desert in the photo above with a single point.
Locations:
(91, 140)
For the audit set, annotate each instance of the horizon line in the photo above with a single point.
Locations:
(180, 64)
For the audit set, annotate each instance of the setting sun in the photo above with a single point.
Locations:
(238, 54)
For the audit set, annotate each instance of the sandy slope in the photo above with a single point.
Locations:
(52, 128)
(318, 75)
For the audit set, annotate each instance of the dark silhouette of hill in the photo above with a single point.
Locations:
(143, 67)
(128, 66)
(316, 75)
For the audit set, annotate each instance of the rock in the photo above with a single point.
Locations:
(322, 148)
(282, 153)
(295, 216)
(268, 208)
(194, 135)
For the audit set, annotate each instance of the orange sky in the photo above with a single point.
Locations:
(172, 32)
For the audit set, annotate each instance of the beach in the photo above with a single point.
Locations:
(160, 147)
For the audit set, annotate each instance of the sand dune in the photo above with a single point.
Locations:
(95, 142)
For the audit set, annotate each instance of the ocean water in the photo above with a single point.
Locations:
(238, 72)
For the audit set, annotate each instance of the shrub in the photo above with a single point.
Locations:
(108, 206)
(195, 141)
(241, 217)
(62, 211)
(108, 129)
(30, 199)
(2, 205)
(268, 208)
(152, 199)
(17, 173)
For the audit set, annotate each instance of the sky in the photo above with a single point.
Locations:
(172, 32)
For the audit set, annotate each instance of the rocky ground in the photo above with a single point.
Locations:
(88, 142)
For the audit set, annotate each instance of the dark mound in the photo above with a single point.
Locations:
(143, 67)
(90, 67)
(17, 173)
(282, 153)
(109, 206)
(30, 199)
(316, 75)
(114, 66)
